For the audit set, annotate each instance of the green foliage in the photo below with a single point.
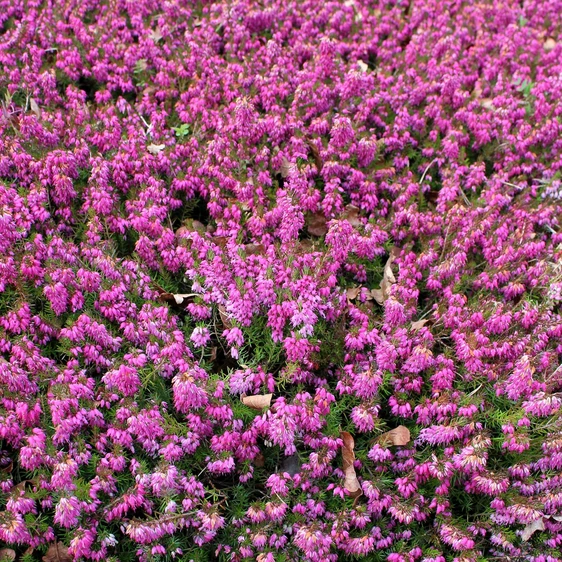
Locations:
(182, 131)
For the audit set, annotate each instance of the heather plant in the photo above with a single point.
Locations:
(280, 280)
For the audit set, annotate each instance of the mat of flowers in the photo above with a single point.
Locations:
(281, 280)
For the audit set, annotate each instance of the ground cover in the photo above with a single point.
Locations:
(280, 280)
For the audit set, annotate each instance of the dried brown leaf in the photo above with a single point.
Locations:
(155, 148)
(198, 226)
(285, 168)
(166, 297)
(418, 324)
(378, 295)
(549, 44)
(530, 528)
(181, 231)
(35, 108)
(316, 224)
(258, 401)
(315, 154)
(388, 274)
(353, 292)
(351, 214)
(255, 249)
(179, 298)
(57, 553)
(155, 35)
(7, 555)
(227, 324)
(220, 241)
(363, 66)
(382, 294)
(351, 483)
(398, 436)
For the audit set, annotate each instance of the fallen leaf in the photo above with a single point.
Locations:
(198, 226)
(351, 483)
(227, 324)
(156, 35)
(418, 325)
(258, 401)
(353, 292)
(398, 436)
(155, 148)
(549, 44)
(254, 249)
(316, 224)
(351, 215)
(141, 65)
(214, 350)
(382, 294)
(57, 553)
(7, 555)
(21, 486)
(220, 241)
(35, 108)
(530, 528)
(179, 298)
(285, 168)
(174, 298)
(182, 231)
(316, 155)
(378, 295)
(291, 465)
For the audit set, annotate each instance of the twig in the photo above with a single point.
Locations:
(427, 169)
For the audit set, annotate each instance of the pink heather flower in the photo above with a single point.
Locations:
(364, 417)
(263, 158)
(313, 542)
(455, 538)
(188, 394)
(125, 379)
(13, 529)
(200, 336)
(67, 512)
(223, 466)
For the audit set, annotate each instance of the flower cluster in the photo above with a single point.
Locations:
(232, 231)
